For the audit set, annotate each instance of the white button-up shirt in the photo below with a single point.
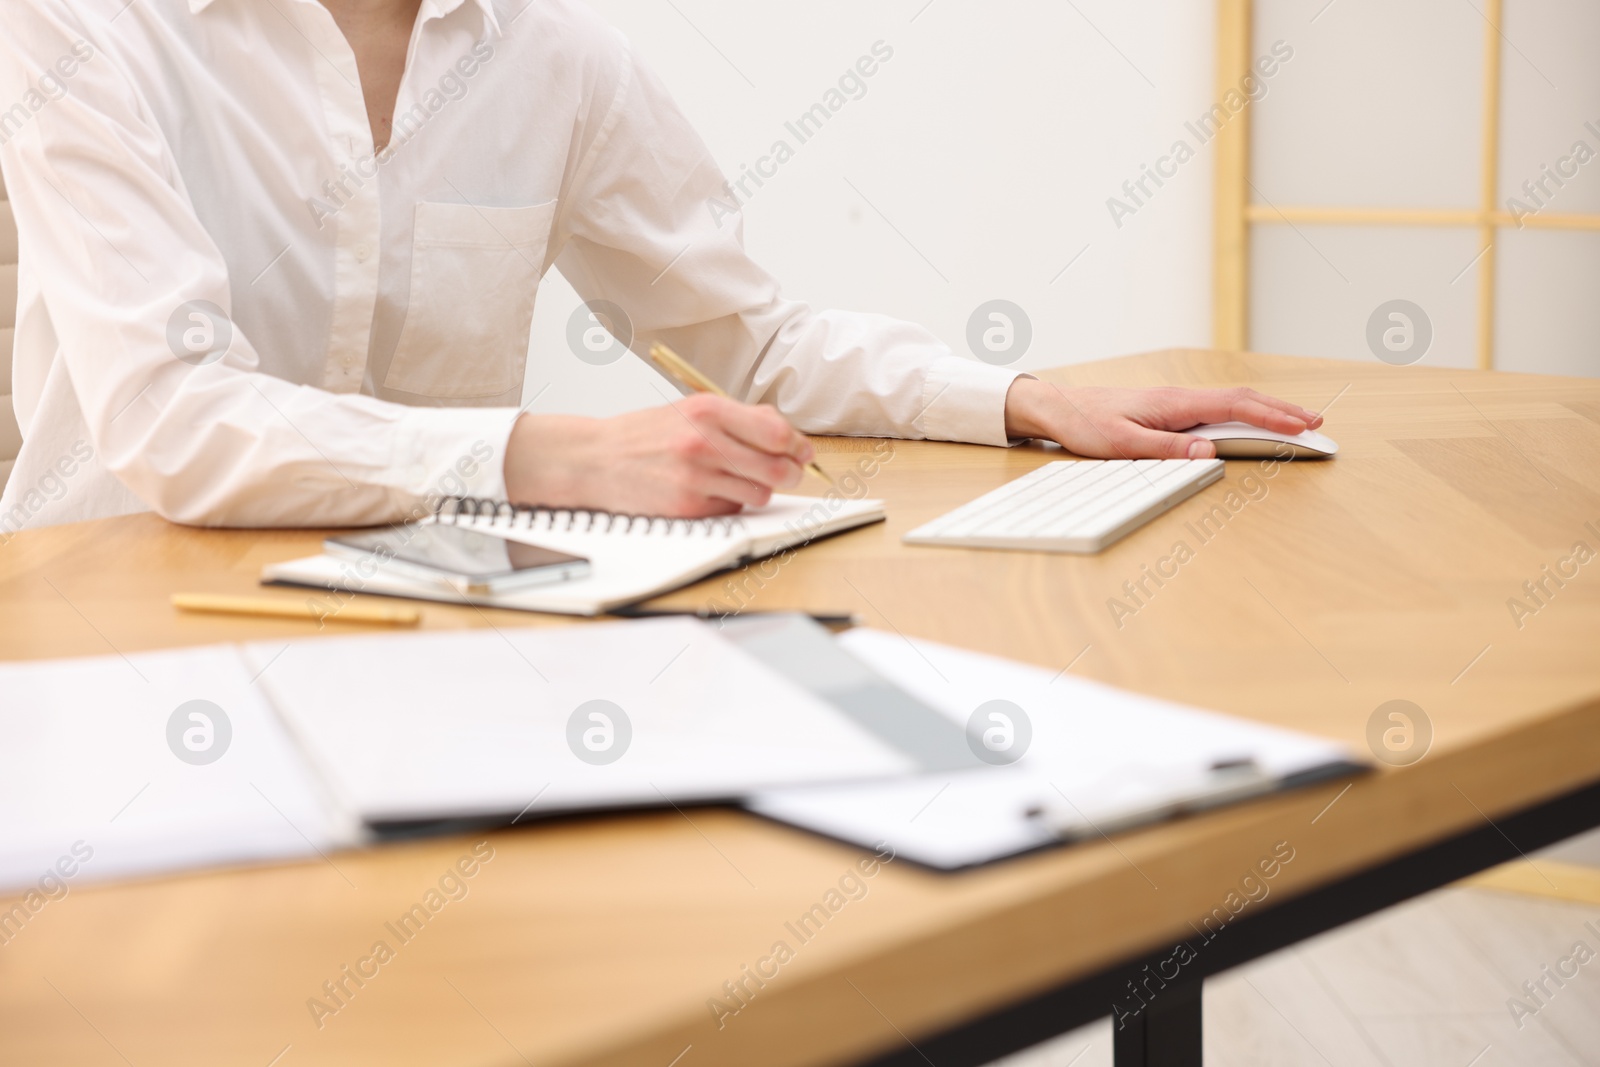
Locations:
(234, 313)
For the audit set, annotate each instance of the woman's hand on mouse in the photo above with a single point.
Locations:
(1103, 423)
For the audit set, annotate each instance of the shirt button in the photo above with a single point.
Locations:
(363, 253)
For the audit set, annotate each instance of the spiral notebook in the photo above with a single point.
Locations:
(631, 557)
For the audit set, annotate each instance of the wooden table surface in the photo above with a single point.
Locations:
(1330, 589)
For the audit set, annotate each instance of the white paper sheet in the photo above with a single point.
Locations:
(477, 723)
(89, 782)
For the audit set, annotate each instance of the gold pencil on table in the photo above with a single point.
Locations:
(382, 614)
(687, 375)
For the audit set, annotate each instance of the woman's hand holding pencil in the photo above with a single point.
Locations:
(706, 454)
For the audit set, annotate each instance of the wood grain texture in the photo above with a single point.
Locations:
(1427, 982)
(1331, 589)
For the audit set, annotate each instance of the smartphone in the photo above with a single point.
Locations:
(473, 562)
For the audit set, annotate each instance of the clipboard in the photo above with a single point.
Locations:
(1097, 760)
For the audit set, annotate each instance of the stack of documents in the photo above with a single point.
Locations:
(309, 745)
(258, 752)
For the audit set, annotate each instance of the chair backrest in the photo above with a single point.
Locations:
(10, 437)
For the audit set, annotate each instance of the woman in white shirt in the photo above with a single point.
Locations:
(279, 260)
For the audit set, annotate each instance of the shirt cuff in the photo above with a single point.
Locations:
(453, 452)
(964, 400)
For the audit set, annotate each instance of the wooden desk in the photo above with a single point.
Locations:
(1384, 574)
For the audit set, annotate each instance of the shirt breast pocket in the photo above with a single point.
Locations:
(474, 273)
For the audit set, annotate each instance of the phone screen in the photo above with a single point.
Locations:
(462, 553)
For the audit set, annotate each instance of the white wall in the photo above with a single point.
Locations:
(991, 141)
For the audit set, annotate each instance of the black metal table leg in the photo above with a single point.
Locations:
(1084, 999)
(1166, 1033)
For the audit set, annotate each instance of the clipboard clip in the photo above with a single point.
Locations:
(1225, 781)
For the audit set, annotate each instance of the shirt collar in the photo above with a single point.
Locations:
(440, 8)
(445, 7)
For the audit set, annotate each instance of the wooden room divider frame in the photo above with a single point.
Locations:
(1235, 211)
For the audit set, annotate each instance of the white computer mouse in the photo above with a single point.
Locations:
(1240, 440)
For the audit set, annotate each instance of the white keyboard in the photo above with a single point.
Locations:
(1071, 505)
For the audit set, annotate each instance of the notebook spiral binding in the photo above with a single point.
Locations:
(457, 510)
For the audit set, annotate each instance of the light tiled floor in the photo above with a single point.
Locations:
(1425, 984)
